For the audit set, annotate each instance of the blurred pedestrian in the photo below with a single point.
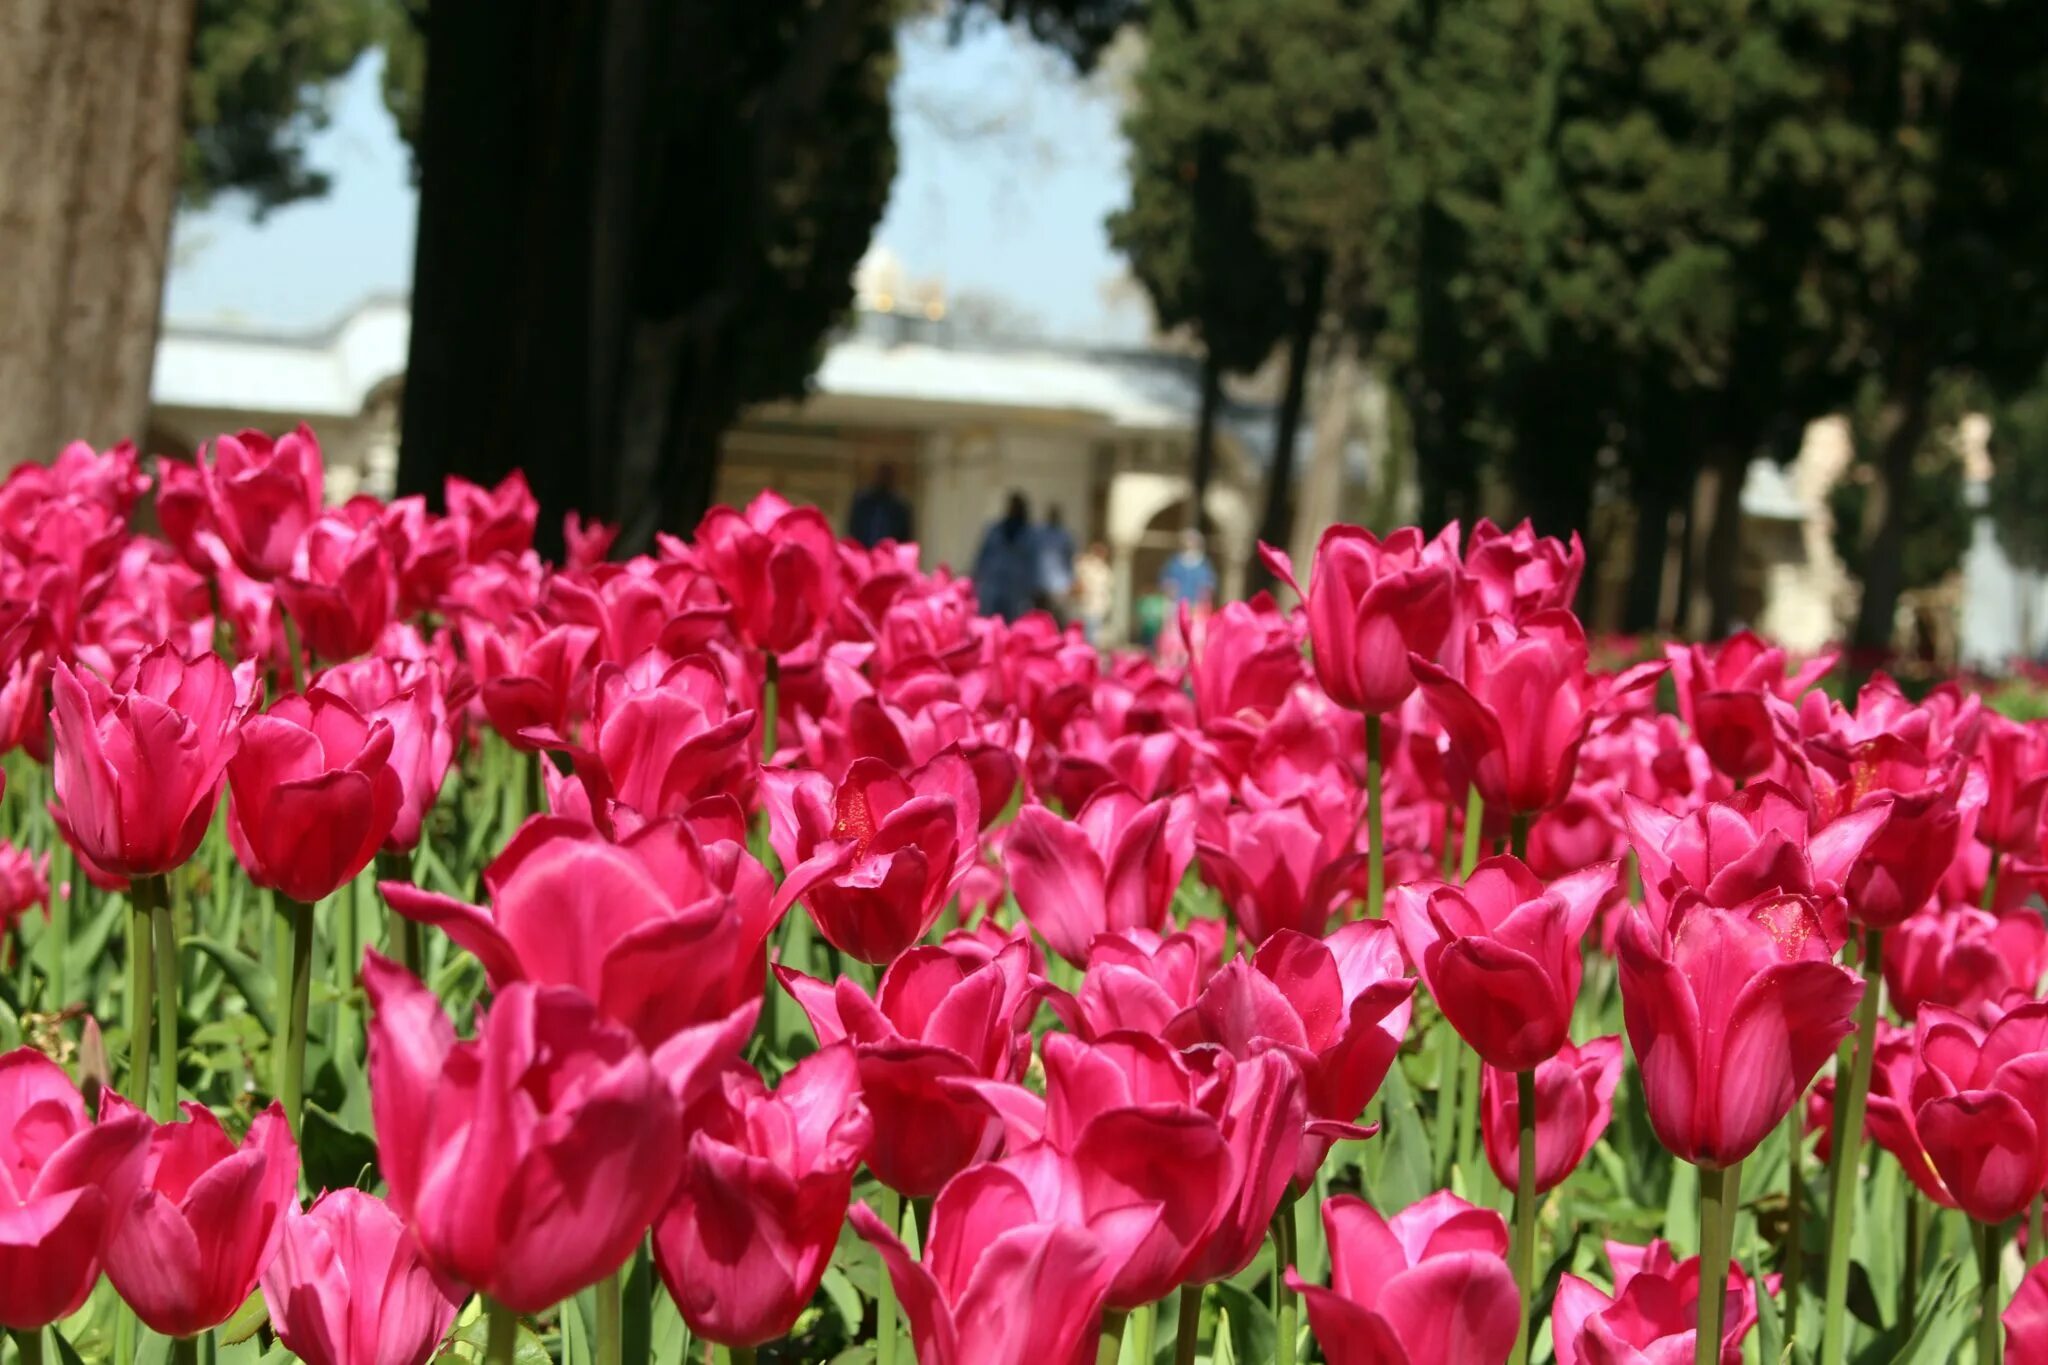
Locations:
(1189, 576)
(1006, 568)
(879, 511)
(1055, 564)
(1094, 590)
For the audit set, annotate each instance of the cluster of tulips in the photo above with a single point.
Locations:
(749, 951)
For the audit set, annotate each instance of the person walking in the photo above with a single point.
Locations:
(1006, 567)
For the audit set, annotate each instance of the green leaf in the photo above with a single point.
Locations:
(469, 1340)
(1246, 1323)
(251, 1315)
(245, 974)
(335, 1156)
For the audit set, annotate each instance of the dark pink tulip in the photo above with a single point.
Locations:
(1140, 980)
(1964, 958)
(1123, 1122)
(765, 1182)
(779, 566)
(1730, 1013)
(903, 739)
(1522, 705)
(1574, 1103)
(530, 1161)
(1370, 604)
(1281, 867)
(2014, 758)
(65, 1184)
(666, 735)
(1757, 841)
(663, 930)
(1114, 867)
(531, 684)
(1263, 1106)
(1337, 1006)
(1001, 1285)
(942, 1017)
(263, 495)
(876, 859)
(314, 795)
(1501, 953)
(139, 765)
(348, 1287)
(494, 521)
(24, 882)
(2026, 1319)
(1517, 573)
(1965, 1113)
(1581, 830)
(587, 542)
(1652, 1315)
(1249, 662)
(341, 589)
(206, 1219)
(1430, 1286)
(1722, 691)
(1897, 875)
(422, 741)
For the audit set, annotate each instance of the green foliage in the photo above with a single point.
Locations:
(2019, 476)
(258, 87)
(1937, 516)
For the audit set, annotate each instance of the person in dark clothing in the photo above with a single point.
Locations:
(879, 512)
(1006, 568)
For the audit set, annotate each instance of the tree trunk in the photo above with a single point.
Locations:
(1650, 545)
(1322, 491)
(1884, 520)
(1301, 338)
(1202, 461)
(1722, 571)
(91, 125)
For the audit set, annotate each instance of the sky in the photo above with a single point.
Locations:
(1007, 166)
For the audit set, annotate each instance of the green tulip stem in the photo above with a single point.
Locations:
(1187, 1331)
(401, 935)
(501, 1328)
(299, 987)
(1793, 1263)
(165, 932)
(885, 1293)
(736, 1355)
(1990, 1344)
(1146, 1327)
(1909, 1277)
(2034, 1247)
(1109, 1347)
(1475, 821)
(611, 1318)
(1518, 835)
(1376, 842)
(185, 1351)
(1522, 1252)
(28, 1345)
(1286, 1303)
(141, 986)
(1991, 881)
(771, 686)
(1848, 1143)
(1720, 1195)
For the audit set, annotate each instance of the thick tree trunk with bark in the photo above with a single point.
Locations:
(1301, 340)
(1322, 489)
(1884, 519)
(90, 131)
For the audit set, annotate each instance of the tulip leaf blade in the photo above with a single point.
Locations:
(244, 973)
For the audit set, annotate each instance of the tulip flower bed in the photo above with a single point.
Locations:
(414, 949)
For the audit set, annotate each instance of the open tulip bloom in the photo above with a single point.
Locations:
(745, 942)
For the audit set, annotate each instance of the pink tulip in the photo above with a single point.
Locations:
(1114, 867)
(314, 795)
(1730, 1013)
(1370, 605)
(1250, 660)
(139, 765)
(206, 1219)
(263, 495)
(1337, 1006)
(65, 1184)
(1652, 1315)
(943, 1016)
(1965, 1111)
(1140, 980)
(587, 542)
(664, 735)
(1430, 1286)
(1722, 691)
(493, 521)
(2026, 1319)
(1522, 706)
(342, 588)
(533, 682)
(347, 1286)
(765, 1181)
(1281, 867)
(999, 1284)
(1964, 958)
(664, 930)
(1517, 573)
(1501, 954)
(876, 859)
(530, 1161)
(24, 882)
(422, 741)
(1574, 1104)
(779, 566)
(2014, 758)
